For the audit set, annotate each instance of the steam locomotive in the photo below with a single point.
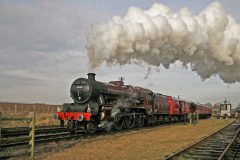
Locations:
(114, 105)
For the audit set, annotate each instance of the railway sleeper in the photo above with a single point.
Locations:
(18, 134)
(196, 152)
(234, 152)
(197, 157)
(236, 149)
(38, 141)
(223, 137)
(225, 134)
(205, 152)
(24, 138)
(217, 140)
(215, 145)
(233, 156)
(207, 148)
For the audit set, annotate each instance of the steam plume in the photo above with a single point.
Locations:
(208, 41)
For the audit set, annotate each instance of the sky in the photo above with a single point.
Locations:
(42, 50)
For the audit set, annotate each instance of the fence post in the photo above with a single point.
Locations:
(190, 118)
(15, 108)
(0, 127)
(32, 135)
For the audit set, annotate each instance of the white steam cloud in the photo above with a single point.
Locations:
(208, 41)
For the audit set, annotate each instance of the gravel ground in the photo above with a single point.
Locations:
(146, 144)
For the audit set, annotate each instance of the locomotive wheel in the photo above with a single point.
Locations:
(118, 123)
(140, 121)
(91, 128)
(129, 122)
(108, 126)
(155, 119)
(71, 126)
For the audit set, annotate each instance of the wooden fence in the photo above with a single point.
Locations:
(31, 121)
(26, 108)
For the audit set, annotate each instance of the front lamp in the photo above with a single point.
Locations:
(80, 117)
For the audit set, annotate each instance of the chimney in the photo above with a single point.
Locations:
(91, 76)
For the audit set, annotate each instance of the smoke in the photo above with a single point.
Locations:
(209, 42)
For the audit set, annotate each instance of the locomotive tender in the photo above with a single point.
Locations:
(99, 105)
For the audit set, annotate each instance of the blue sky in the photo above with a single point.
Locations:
(42, 50)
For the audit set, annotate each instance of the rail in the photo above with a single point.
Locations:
(230, 147)
(171, 157)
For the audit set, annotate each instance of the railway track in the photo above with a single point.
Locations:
(15, 141)
(10, 144)
(38, 139)
(222, 144)
(12, 137)
(22, 131)
(8, 133)
(48, 134)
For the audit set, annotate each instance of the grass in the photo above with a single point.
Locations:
(146, 144)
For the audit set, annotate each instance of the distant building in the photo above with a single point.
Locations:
(222, 109)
